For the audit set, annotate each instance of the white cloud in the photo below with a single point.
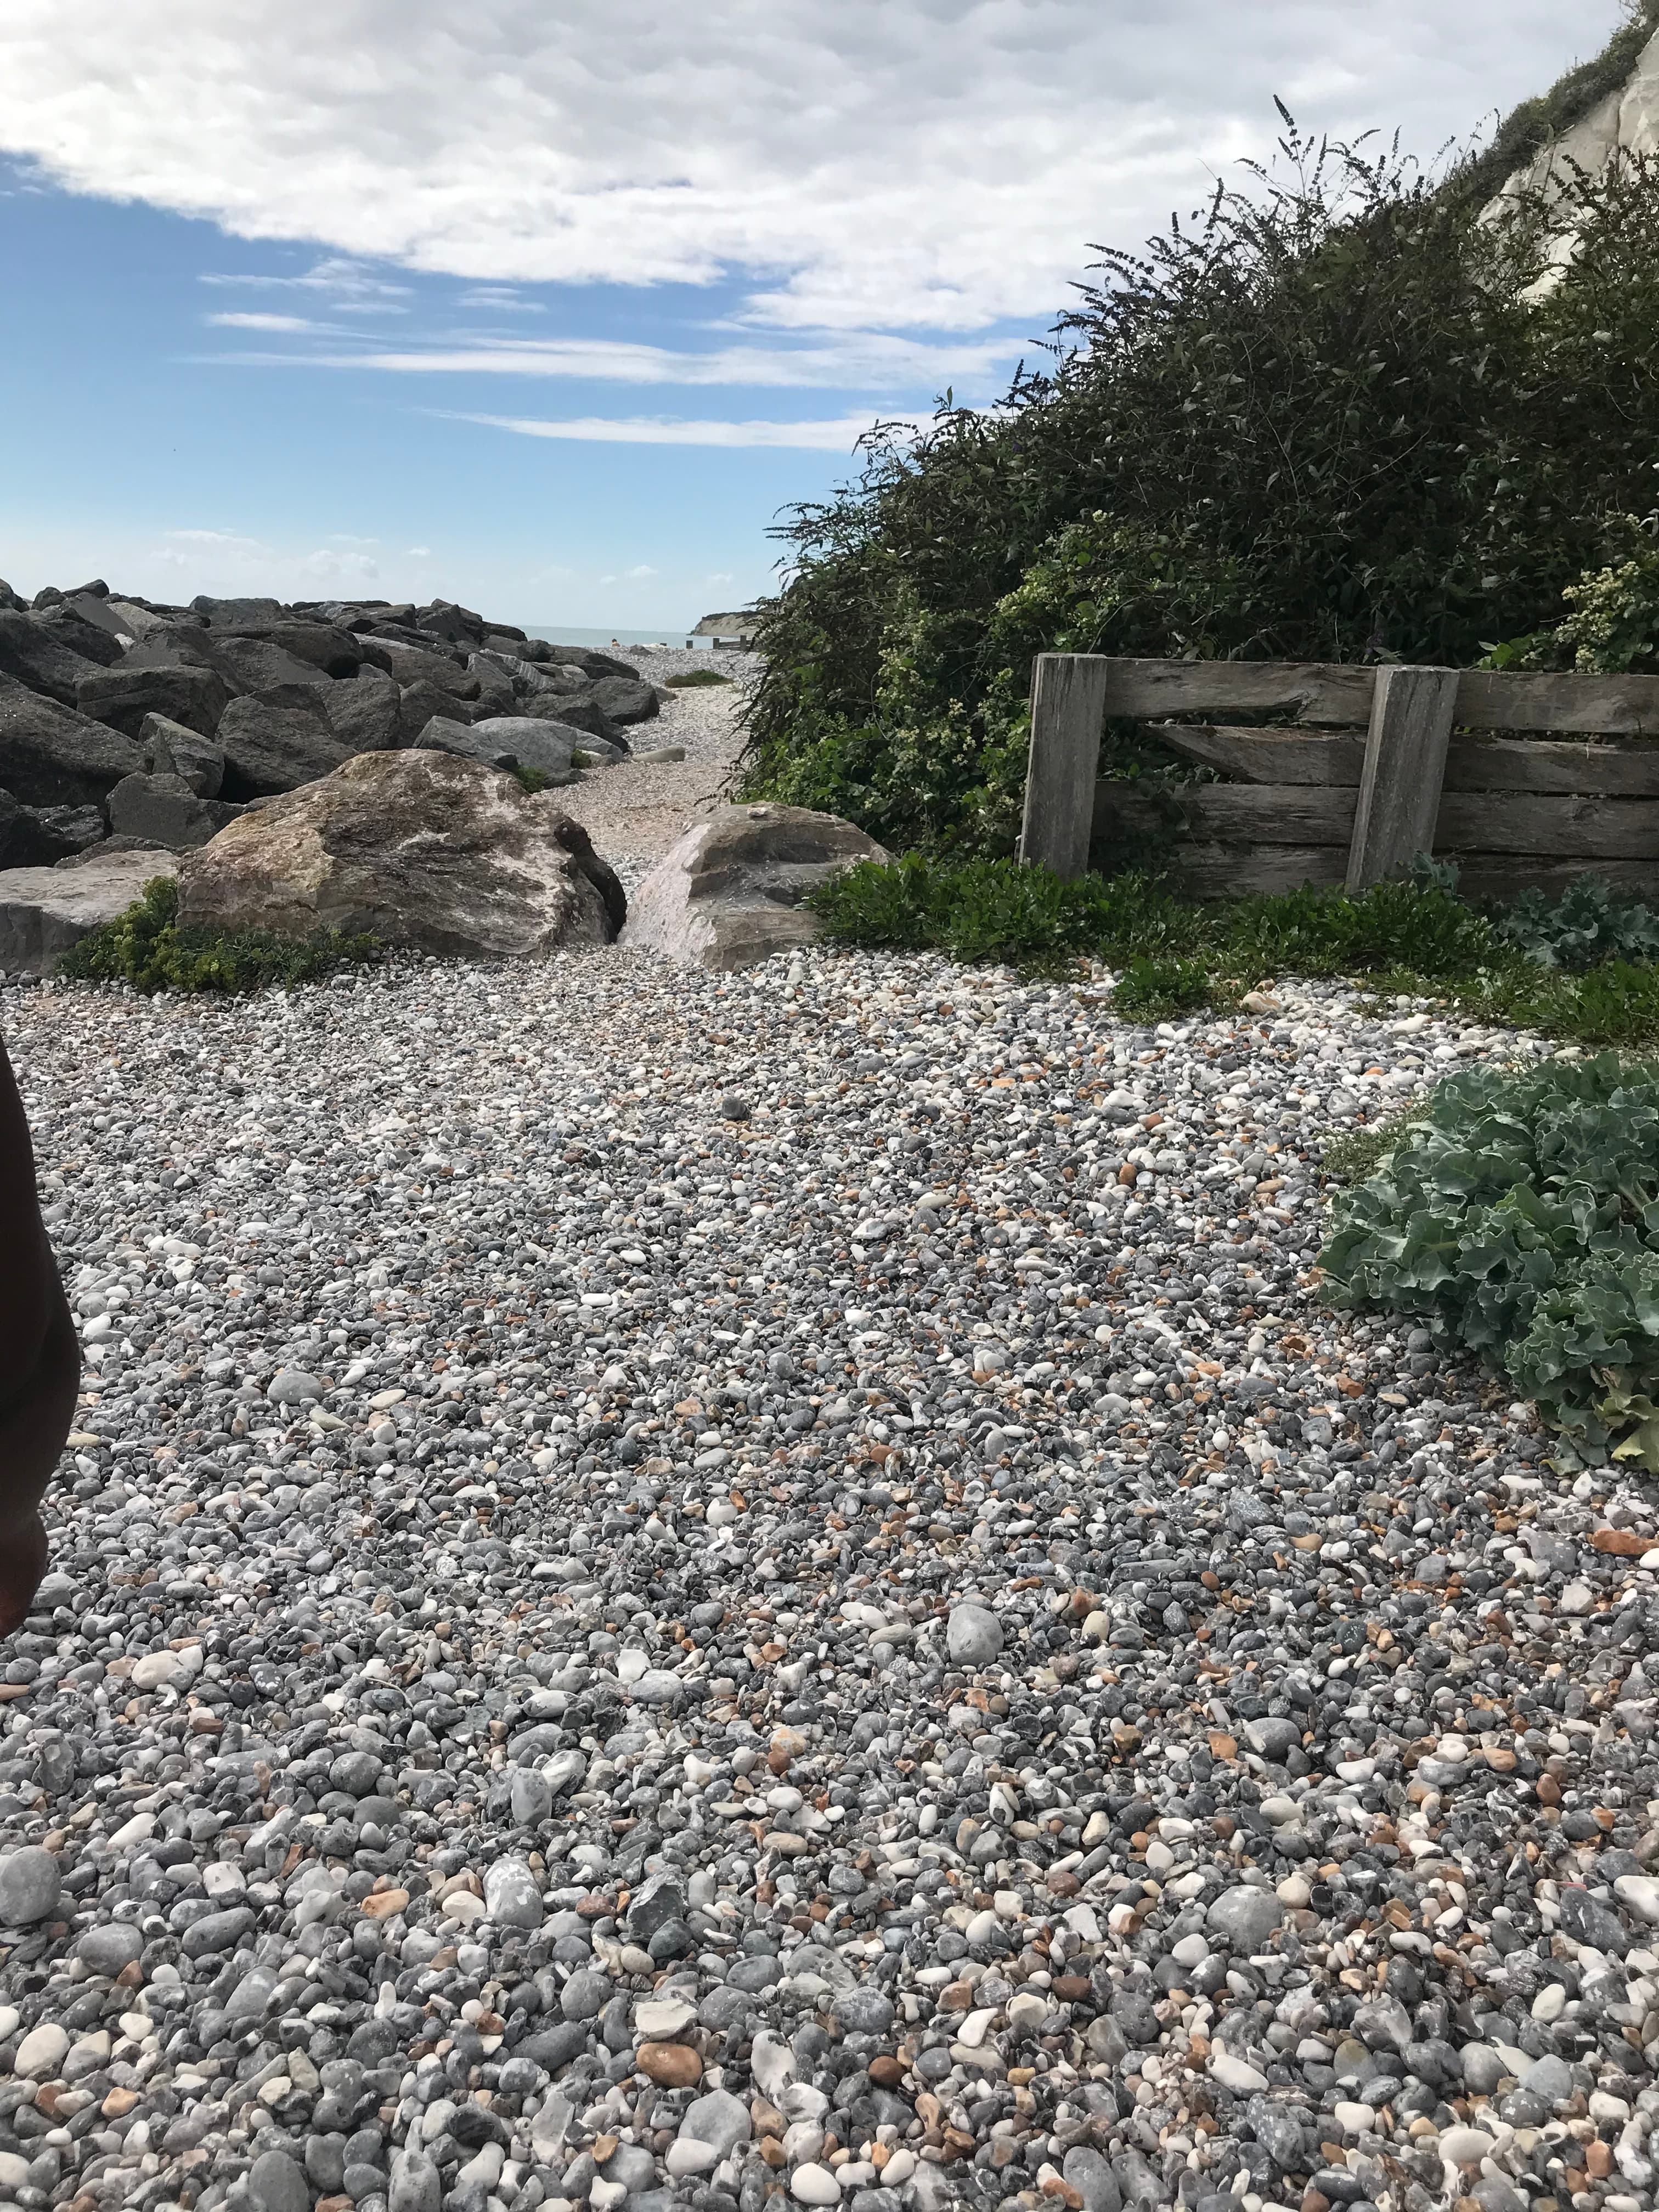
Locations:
(502, 303)
(275, 324)
(217, 555)
(839, 435)
(863, 361)
(225, 541)
(923, 163)
(349, 288)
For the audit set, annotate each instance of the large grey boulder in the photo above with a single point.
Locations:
(255, 665)
(237, 611)
(496, 686)
(444, 618)
(138, 622)
(626, 699)
(580, 712)
(364, 712)
(321, 646)
(46, 911)
(164, 809)
(592, 664)
(174, 749)
(175, 644)
(421, 703)
(35, 837)
(125, 697)
(71, 625)
(729, 892)
(32, 655)
(102, 614)
(276, 740)
(443, 734)
(50, 756)
(540, 742)
(417, 664)
(420, 848)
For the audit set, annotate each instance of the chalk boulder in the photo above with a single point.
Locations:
(419, 849)
(729, 892)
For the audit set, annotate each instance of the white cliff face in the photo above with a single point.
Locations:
(1626, 121)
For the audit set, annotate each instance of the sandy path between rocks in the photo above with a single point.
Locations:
(635, 810)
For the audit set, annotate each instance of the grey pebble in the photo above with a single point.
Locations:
(276, 2184)
(973, 1635)
(31, 1884)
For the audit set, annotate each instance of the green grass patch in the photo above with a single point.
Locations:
(533, 780)
(1415, 938)
(1516, 1215)
(1357, 1152)
(146, 948)
(694, 679)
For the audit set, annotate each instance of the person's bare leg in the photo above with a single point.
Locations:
(40, 1363)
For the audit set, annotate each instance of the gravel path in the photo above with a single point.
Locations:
(672, 1588)
(635, 810)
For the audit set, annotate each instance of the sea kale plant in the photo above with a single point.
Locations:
(1517, 1216)
(1587, 922)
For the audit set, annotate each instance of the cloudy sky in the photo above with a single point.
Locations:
(552, 307)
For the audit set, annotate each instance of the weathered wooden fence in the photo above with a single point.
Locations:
(1345, 773)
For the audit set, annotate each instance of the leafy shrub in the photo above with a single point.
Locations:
(146, 948)
(1590, 922)
(694, 678)
(1613, 627)
(1517, 1216)
(1326, 421)
(533, 780)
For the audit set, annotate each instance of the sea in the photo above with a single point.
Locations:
(569, 634)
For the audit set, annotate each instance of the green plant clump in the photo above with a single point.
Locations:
(694, 679)
(1588, 923)
(146, 948)
(1517, 1216)
(1409, 937)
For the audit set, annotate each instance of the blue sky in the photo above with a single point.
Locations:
(552, 312)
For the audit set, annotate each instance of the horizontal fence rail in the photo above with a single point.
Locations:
(1362, 769)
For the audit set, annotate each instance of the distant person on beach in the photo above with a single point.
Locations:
(40, 1363)
(617, 644)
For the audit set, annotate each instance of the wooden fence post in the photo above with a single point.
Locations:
(1411, 713)
(1069, 705)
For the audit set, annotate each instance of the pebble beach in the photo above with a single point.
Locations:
(678, 1590)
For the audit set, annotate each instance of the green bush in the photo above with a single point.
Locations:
(1517, 1216)
(146, 948)
(694, 679)
(1326, 420)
